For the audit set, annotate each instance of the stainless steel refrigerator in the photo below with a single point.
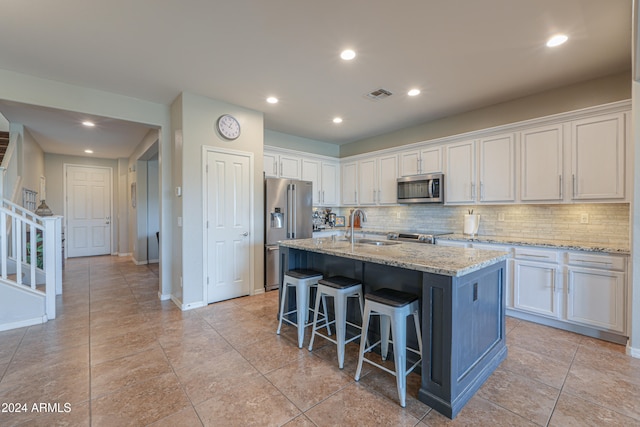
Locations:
(288, 215)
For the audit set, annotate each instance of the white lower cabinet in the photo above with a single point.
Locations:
(579, 288)
(534, 287)
(509, 270)
(596, 292)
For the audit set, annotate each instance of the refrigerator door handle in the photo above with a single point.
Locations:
(289, 196)
(294, 209)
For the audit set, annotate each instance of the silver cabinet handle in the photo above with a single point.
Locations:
(560, 184)
(594, 262)
(473, 190)
(322, 196)
(573, 177)
(481, 191)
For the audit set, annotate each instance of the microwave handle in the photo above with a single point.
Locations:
(431, 184)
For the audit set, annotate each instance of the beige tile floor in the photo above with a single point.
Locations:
(118, 356)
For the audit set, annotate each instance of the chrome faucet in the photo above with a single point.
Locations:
(363, 217)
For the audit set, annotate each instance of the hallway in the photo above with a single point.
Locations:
(119, 356)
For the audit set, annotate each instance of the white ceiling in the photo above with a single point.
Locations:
(462, 54)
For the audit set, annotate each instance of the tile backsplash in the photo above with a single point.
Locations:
(607, 223)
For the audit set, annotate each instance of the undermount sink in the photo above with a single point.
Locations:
(377, 242)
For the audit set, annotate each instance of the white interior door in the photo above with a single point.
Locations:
(228, 221)
(88, 211)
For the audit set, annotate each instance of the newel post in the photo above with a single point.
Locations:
(52, 261)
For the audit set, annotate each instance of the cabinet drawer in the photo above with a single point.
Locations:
(493, 247)
(539, 255)
(607, 262)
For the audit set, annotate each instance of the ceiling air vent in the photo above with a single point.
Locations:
(378, 94)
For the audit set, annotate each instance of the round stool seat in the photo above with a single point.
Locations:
(339, 282)
(390, 297)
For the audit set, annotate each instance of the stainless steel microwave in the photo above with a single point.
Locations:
(421, 188)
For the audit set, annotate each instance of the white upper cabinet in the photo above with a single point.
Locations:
(270, 165)
(497, 169)
(415, 162)
(378, 180)
(311, 172)
(281, 165)
(460, 173)
(541, 163)
(330, 183)
(598, 153)
(367, 180)
(290, 167)
(325, 177)
(349, 180)
(387, 179)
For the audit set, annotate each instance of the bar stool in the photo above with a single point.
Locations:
(393, 307)
(302, 280)
(341, 289)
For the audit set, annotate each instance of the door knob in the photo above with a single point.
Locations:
(245, 234)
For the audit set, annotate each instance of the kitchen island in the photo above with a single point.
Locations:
(462, 299)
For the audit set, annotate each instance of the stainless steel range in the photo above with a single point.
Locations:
(429, 237)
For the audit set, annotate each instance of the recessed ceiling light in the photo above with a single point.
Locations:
(557, 40)
(414, 92)
(272, 100)
(88, 151)
(337, 120)
(88, 124)
(348, 54)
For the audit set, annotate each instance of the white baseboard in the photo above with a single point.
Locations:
(136, 262)
(124, 254)
(23, 323)
(164, 297)
(258, 291)
(185, 307)
(154, 261)
(633, 352)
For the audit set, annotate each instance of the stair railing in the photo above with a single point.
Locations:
(21, 229)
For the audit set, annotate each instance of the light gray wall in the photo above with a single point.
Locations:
(198, 115)
(32, 163)
(54, 171)
(122, 218)
(612, 88)
(283, 140)
(4, 124)
(177, 158)
(153, 205)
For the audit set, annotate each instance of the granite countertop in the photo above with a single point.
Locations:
(447, 261)
(545, 243)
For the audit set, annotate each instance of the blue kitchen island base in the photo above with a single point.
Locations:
(462, 317)
(463, 333)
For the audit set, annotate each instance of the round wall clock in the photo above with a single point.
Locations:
(228, 126)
